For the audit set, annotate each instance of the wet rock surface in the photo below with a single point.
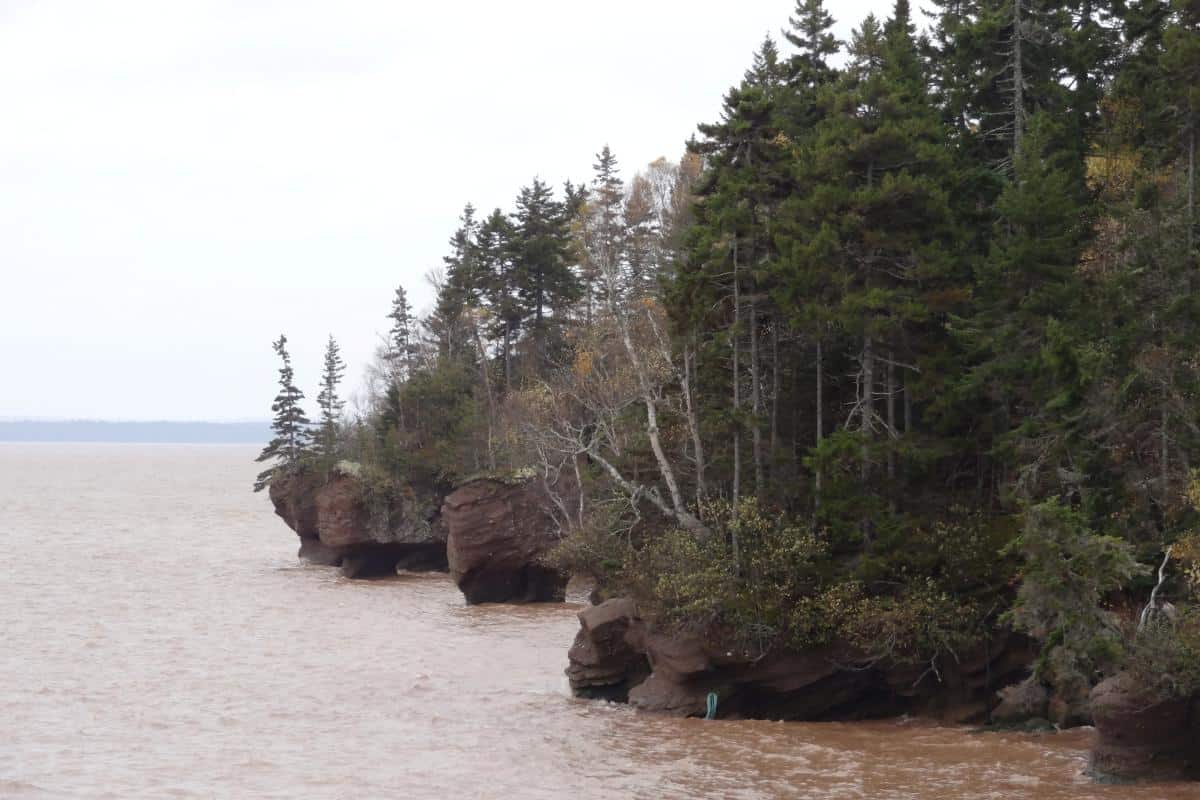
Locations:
(1022, 702)
(1143, 739)
(606, 658)
(618, 656)
(497, 534)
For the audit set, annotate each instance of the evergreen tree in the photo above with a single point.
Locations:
(459, 291)
(290, 425)
(331, 405)
(546, 286)
(810, 33)
(729, 274)
(494, 258)
(604, 231)
(876, 226)
(402, 345)
(1028, 296)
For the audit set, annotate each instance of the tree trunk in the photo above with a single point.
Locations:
(689, 355)
(891, 415)
(1018, 82)
(678, 508)
(507, 356)
(774, 388)
(1164, 455)
(491, 395)
(737, 406)
(907, 406)
(1191, 188)
(756, 402)
(868, 404)
(868, 422)
(820, 416)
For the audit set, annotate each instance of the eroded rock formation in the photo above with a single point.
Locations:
(497, 534)
(608, 656)
(340, 525)
(1139, 738)
(618, 656)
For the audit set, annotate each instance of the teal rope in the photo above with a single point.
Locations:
(712, 706)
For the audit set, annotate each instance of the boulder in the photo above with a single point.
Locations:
(498, 532)
(1022, 702)
(605, 659)
(339, 525)
(1139, 737)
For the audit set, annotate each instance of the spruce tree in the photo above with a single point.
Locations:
(290, 425)
(603, 231)
(730, 266)
(460, 290)
(402, 345)
(875, 240)
(1028, 297)
(546, 286)
(331, 405)
(810, 32)
(494, 258)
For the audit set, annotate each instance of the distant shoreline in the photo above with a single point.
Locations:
(107, 432)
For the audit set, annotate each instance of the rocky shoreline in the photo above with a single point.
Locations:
(491, 534)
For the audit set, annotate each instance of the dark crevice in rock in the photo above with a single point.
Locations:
(617, 655)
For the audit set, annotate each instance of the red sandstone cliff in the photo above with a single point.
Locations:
(497, 534)
(618, 656)
(339, 526)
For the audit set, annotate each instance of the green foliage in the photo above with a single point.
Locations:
(920, 624)
(290, 425)
(1068, 573)
(330, 404)
(697, 584)
(786, 588)
(1162, 653)
(1163, 658)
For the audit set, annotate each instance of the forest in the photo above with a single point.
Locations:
(902, 350)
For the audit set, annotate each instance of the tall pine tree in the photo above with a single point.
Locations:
(402, 345)
(331, 405)
(290, 425)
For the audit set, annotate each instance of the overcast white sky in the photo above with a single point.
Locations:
(181, 180)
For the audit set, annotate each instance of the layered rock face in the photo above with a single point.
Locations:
(497, 532)
(607, 658)
(617, 656)
(337, 526)
(1143, 739)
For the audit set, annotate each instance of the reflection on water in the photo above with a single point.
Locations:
(158, 639)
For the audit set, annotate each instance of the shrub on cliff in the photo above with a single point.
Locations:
(1162, 648)
(784, 586)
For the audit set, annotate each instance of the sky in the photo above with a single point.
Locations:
(183, 180)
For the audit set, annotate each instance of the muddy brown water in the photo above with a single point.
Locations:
(159, 640)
